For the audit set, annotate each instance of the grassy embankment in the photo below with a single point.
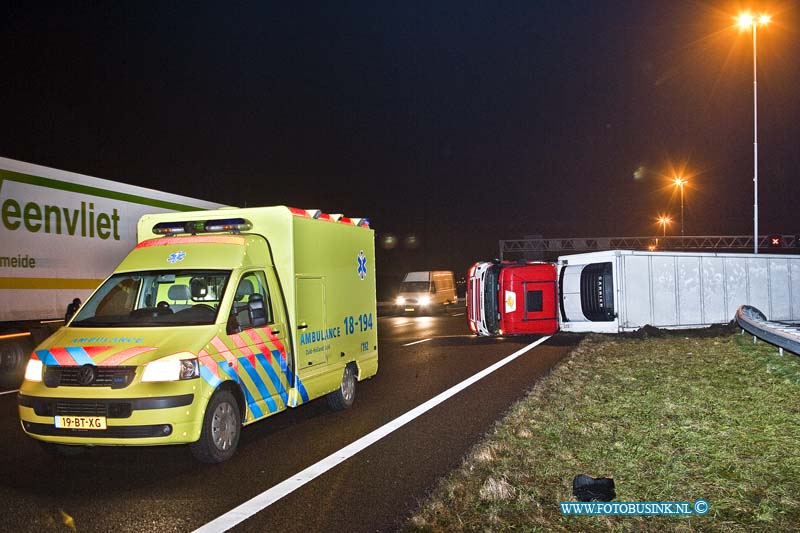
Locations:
(678, 417)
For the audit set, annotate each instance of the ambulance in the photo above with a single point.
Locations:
(215, 320)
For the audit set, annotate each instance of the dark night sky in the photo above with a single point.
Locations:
(460, 122)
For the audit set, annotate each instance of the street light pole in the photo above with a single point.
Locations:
(682, 212)
(749, 21)
(664, 220)
(755, 145)
(680, 182)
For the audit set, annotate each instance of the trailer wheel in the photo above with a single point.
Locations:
(11, 356)
(12, 363)
(343, 397)
(222, 425)
(61, 450)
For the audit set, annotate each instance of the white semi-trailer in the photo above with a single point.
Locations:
(624, 290)
(61, 234)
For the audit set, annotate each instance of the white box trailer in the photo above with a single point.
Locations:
(61, 234)
(621, 290)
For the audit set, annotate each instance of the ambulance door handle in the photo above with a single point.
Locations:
(302, 325)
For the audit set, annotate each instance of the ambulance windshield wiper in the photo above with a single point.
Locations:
(96, 322)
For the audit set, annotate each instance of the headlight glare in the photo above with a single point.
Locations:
(400, 300)
(162, 371)
(425, 300)
(34, 370)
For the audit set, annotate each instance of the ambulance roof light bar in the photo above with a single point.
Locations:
(234, 225)
(317, 214)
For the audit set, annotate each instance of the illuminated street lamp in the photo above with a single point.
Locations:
(680, 182)
(747, 21)
(664, 220)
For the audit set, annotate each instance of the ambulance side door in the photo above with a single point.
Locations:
(257, 333)
(311, 322)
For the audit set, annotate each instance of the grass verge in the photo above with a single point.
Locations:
(679, 417)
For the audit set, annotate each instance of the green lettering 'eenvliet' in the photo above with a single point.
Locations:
(83, 221)
(58, 220)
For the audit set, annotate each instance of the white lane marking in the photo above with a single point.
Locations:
(403, 324)
(417, 342)
(459, 314)
(268, 497)
(9, 392)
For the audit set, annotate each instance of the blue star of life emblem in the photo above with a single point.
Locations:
(362, 265)
(175, 257)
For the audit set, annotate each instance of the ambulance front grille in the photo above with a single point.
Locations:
(110, 408)
(116, 377)
(80, 408)
(73, 407)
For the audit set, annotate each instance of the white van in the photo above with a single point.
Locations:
(426, 291)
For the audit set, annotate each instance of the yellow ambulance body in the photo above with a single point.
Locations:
(215, 320)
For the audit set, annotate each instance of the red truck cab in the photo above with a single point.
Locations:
(512, 299)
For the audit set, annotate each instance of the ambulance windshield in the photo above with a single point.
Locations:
(155, 298)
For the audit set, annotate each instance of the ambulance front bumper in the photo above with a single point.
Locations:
(162, 419)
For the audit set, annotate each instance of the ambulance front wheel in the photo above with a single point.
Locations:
(343, 397)
(222, 425)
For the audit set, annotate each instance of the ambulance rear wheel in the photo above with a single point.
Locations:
(343, 397)
(222, 425)
(61, 450)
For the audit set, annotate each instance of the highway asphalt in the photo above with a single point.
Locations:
(165, 489)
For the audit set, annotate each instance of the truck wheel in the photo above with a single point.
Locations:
(222, 425)
(61, 450)
(342, 398)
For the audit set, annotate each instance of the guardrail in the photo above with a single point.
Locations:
(784, 336)
(518, 248)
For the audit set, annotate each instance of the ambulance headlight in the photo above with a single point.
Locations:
(424, 300)
(33, 372)
(171, 369)
(400, 300)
